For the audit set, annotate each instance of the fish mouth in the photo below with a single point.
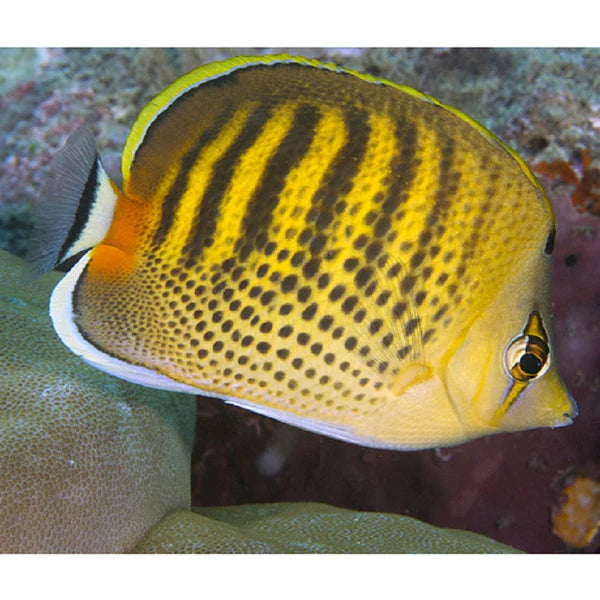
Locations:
(569, 418)
(573, 413)
(570, 415)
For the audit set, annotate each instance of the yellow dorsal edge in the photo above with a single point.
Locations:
(217, 69)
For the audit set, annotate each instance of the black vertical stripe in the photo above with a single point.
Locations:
(161, 123)
(292, 148)
(403, 169)
(177, 189)
(446, 188)
(338, 179)
(86, 203)
(205, 221)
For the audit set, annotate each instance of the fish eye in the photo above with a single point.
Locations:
(530, 363)
(526, 358)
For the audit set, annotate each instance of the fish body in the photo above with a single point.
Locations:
(326, 248)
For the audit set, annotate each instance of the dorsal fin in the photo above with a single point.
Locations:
(76, 206)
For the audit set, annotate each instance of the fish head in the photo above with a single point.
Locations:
(502, 376)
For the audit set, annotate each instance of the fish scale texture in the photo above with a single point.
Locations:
(88, 463)
(306, 528)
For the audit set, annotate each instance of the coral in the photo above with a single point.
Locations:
(581, 174)
(577, 520)
(16, 65)
(303, 528)
(87, 462)
(16, 225)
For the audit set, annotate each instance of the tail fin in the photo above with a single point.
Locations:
(76, 206)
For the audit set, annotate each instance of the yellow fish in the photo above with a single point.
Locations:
(326, 248)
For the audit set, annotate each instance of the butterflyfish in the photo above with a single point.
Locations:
(323, 247)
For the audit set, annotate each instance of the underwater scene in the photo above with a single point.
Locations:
(299, 300)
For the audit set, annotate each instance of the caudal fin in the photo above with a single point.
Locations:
(76, 206)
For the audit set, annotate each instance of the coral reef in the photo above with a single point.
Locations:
(87, 462)
(582, 174)
(304, 528)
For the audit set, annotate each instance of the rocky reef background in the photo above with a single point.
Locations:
(538, 491)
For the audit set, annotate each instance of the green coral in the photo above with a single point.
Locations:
(16, 223)
(87, 462)
(306, 528)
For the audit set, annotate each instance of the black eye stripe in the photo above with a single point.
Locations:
(537, 346)
(528, 357)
